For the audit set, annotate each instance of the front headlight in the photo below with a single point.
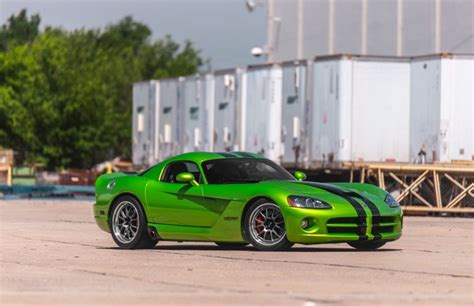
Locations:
(391, 201)
(307, 202)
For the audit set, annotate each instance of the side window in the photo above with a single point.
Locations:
(172, 171)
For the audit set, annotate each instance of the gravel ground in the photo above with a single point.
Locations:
(52, 253)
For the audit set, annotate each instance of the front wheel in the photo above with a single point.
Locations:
(366, 245)
(129, 225)
(265, 227)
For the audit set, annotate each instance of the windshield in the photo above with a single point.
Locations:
(243, 170)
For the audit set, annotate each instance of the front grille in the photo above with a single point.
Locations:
(357, 225)
(347, 225)
(382, 224)
(346, 220)
(382, 229)
(381, 219)
(344, 230)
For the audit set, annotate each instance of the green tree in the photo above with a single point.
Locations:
(19, 29)
(66, 97)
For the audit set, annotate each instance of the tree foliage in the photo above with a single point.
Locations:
(19, 29)
(66, 97)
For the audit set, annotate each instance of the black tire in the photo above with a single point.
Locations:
(141, 239)
(366, 245)
(232, 245)
(280, 244)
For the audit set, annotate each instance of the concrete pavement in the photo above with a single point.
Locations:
(53, 253)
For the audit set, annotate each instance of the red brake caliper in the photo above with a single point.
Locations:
(259, 224)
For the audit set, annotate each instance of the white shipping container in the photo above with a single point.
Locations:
(144, 144)
(228, 85)
(261, 114)
(442, 108)
(196, 99)
(360, 109)
(294, 113)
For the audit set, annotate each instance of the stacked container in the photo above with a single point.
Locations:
(442, 108)
(228, 88)
(308, 114)
(197, 95)
(360, 109)
(295, 107)
(144, 142)
(261, 115)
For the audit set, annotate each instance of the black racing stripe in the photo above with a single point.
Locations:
(361, 214)
(375, 213)
(227, 155)
(244, 154)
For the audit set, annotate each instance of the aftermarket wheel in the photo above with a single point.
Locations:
(265, 227)
(366, 245)
(128, 225)
(232, 245)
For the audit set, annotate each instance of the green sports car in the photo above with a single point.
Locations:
(238, 198)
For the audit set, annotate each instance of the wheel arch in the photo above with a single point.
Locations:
(122, 194)
(246, 208)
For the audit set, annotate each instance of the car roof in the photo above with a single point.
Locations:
(205, 156)
(197, 157)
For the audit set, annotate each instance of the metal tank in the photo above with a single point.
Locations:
(295, 107)
(360, 109)
(144, 142)
(442, 108)
(261, 114)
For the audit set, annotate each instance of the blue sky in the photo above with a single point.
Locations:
(223, 29)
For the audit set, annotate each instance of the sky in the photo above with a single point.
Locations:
(223, 29)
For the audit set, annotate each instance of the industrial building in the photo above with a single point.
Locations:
(306, 28)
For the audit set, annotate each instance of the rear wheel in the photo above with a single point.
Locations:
(232, 245)
(265, 227)
(366, 245)
(128, 225)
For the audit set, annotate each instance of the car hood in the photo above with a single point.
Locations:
(324, 190)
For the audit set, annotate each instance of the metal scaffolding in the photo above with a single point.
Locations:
(422, 187)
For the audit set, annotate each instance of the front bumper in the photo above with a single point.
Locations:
(101, 217)
(328, 226)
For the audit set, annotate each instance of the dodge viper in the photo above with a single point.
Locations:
(237, 198)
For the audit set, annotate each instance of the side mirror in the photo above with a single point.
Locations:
(300, 176)
(186, 177)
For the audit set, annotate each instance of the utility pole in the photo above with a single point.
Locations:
(399, 27)
(363, 43)
(437, 23)
(300, 29)
(270, 30)
(331, 27)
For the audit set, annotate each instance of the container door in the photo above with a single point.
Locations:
(457, 103)
(168, 118)
(225, 111)
(325, 112)
(263, 112)
(143, 125)
(380, 110)
(293, 114)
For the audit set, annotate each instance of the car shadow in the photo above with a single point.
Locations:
(294, 249)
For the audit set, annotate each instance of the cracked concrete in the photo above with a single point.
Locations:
(52, 253)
